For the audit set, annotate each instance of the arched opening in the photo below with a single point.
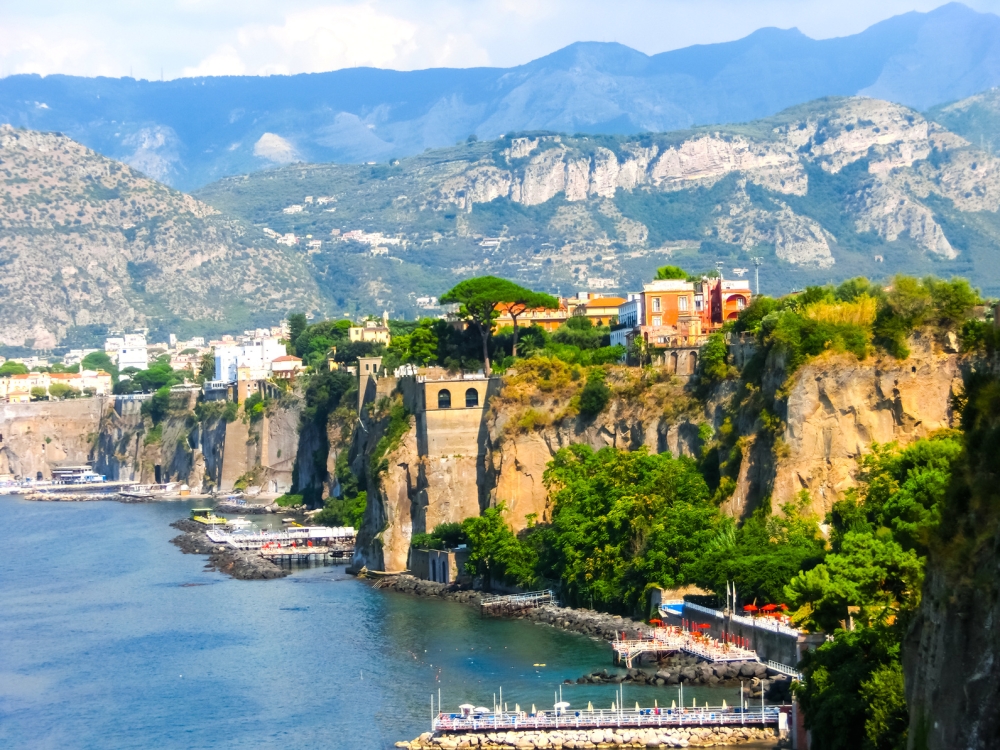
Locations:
(472, 397)
(38, 476)
(672, 363)
(692, 363)
(444, 399)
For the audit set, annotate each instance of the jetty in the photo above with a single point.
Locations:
(672, 639)
(298, 543)
(469, 720)
(512, 603)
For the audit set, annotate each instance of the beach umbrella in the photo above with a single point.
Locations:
(694, 703)
(637, 705)
(613, 706)
(517, 708)
(656, 621)
(673, 704)
(749, 608)
(590, 707)
(656, 703)
(724, 703)
(533, 709)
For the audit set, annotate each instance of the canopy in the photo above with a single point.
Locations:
(562, 704)
(480, 710)
(749, 608)
(656, 621)
(468, 706)
(769, 608)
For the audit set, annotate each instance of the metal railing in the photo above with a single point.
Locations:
(777, 666)
(762, 623)
(597, 719)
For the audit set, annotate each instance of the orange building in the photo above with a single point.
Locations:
(550, 320)
(602, 311)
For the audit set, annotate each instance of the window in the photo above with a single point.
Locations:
(656, 304)
(472, 397)
(444, 399)
(699, 303)
(682, 303)
(657, 321)
(740, 303)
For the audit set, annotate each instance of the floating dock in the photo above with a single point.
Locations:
(293, 544)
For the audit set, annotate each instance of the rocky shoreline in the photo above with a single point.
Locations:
(244, 566)
(595, 738)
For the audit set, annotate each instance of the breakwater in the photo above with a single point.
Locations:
(595, 738)
(240, 564)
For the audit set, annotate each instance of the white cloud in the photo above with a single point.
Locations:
(228, 37)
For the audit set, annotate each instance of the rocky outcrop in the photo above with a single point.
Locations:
(239, 564)
(837, 407)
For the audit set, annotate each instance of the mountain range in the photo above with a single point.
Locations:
(191, 131)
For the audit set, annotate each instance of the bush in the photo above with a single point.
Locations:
(595, 394)
(714, 367)
(288, 500)
(61, 390)
(444, 536)
(231, 411)
(345, 511)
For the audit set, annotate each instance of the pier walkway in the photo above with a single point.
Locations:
(673, 639)
(599, 719)
(505, 605)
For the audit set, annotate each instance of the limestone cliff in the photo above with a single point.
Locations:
(836, 407)
(35, 437)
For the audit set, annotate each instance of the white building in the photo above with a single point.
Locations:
(256, 354)
(296, 209)
(133, 352)
(630, 316)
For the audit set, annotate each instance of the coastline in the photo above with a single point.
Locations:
(243, 566)
(599, 738)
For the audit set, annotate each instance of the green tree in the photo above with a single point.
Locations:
(671, 272)
(12, 368)
(38, 393)
(478, 300)
(495, 552)
(296, 326)
(206, 367)
(524, 300)
(99, 361)
(595, 394)
(714, 355)
(623, 522)
(62, 391)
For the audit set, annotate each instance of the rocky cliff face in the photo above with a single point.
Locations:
(35, 437)
(837, 407)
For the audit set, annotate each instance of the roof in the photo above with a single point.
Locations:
(668, 285)
(605, 302)
(287, 358)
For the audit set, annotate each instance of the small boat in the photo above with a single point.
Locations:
(207, 517)
(240, 524)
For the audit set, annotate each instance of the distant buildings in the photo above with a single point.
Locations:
(296, 209)
(371, 331)
(256, 355)
(17, 389)
(131, 351)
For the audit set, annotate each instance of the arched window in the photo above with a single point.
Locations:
(444, 399)
(472, 397)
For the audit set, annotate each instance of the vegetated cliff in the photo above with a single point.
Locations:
(836, 407)
(827, 415)
(952, 647)
(91, 242)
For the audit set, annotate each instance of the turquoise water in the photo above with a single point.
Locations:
(111, 638)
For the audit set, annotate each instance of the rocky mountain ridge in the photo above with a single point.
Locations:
(90, 245)
(191, 131)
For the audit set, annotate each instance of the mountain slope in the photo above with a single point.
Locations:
(89, 244)
(824, 191)
(189, 132)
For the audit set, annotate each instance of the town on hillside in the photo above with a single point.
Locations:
(666, 322)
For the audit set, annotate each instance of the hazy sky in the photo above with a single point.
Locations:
(219, 37)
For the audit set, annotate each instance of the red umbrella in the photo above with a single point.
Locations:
(749, 608)
(769, 608)
(784, 607)
(656, 622)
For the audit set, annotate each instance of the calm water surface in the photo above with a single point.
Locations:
(111, 638)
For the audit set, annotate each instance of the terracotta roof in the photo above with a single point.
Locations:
(605, 302)
(287, 358)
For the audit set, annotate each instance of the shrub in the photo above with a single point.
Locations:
(595, 394)
(61, 390)
(287, 500)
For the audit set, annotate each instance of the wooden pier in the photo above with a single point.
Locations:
(512, 603)
(668, 640)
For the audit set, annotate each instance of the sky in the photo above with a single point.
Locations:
(181, 38)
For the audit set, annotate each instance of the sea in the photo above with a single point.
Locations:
(110, 637)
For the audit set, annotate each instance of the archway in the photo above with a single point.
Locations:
(692, 363)
(471, 397)
(444, 399)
